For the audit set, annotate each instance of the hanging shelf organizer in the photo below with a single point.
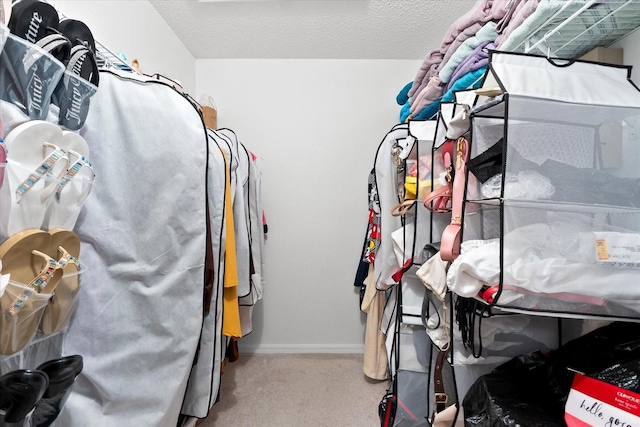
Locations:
(552, 206)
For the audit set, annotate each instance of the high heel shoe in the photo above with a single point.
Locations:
(20, 391)
(62, 374)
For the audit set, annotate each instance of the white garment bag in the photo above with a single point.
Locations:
(204, 383)
(385, 264)
(139, 314)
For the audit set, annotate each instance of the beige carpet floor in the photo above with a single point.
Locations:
(297, 390)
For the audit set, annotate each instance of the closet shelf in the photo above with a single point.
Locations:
(104, 57)
(502, 309)
(580, 26)
(558, 206)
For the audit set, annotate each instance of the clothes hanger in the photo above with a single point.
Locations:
(178, 87)
(209, 111)
(135, 64)
(173, 83)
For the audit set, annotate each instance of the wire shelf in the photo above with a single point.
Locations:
(580, 26)
(104, 57)
(107, 59)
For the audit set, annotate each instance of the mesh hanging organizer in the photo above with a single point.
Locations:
(556, 229)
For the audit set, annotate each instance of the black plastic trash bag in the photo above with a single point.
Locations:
(531, 390)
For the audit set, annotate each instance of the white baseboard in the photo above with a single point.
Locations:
(301, 348)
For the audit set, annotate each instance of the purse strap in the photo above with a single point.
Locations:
(439, 200)
(440, 396)
(450, 246)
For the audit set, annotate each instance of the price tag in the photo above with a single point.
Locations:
(594, 403)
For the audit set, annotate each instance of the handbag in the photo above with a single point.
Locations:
(439, 200)
(450, 244)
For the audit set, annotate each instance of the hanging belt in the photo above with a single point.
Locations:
(439, 394)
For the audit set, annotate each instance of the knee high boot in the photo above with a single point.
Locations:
(62, 374)
(20, 391)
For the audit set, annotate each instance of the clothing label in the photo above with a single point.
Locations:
(601, 250)
(617, 249)
(594, 403)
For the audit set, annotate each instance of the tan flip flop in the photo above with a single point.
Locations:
(66, 244)
(16, 256)
(22, 302)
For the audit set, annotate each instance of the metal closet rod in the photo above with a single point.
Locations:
(104, 57)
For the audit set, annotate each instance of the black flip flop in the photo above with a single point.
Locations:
(32, 20)
(78, 84)
(29, 75)
(78, 33)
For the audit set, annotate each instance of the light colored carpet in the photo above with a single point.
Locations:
(297, 390)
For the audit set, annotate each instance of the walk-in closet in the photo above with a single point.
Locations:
(319, 213)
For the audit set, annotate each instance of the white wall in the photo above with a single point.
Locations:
(316, 125)
(136, 29)
(631, 46)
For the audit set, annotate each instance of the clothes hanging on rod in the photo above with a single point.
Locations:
(204, 382)
(139, 318)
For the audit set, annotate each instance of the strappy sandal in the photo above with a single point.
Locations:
(22, 306)
(60, 307)
(74, 187)
(31, 175)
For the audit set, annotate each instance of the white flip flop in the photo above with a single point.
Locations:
(35, 164)
(75, 185)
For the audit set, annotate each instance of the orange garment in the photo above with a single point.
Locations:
(230, 308)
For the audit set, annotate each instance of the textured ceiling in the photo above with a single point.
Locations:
(338, 29)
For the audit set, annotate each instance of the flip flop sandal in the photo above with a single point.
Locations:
(60, 307)
(74, 187)
(81, 77)
(32, 20)
(23, 300)
(21, 308)
(78, 33)
(78, 84)
(56, 45)
(29, 73)
(17, 260)
(31, 175)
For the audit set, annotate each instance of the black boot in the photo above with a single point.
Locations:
(62, 374)
(20, 391)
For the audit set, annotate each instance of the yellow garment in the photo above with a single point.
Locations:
(230, 309)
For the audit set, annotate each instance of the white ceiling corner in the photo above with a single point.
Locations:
(338, 29)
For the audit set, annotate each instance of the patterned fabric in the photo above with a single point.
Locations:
(373, 232)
